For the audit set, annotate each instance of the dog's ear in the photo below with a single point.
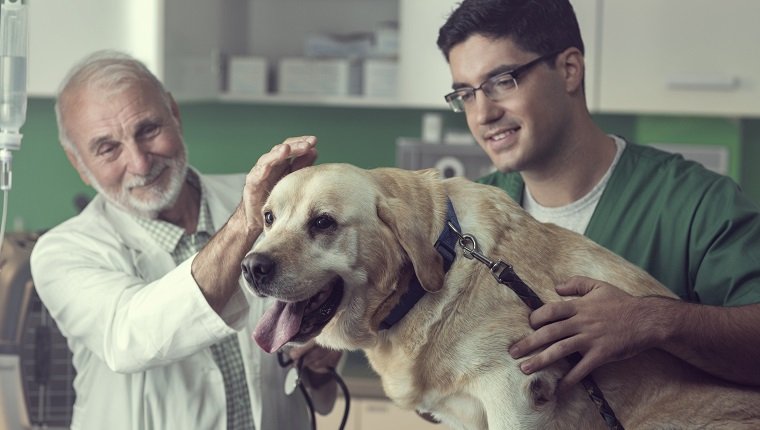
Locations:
(406, 205)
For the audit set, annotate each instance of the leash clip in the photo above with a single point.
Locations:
(471, 251)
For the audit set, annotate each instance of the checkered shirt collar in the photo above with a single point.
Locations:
(168, 235)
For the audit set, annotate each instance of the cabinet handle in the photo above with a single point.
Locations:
(703, 83)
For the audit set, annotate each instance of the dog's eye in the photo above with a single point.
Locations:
(323, 222)
(268, 218)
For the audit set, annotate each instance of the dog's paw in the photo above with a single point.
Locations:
(541, 388)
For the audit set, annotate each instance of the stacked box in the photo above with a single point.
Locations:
(380, 77)
(313, 76)
(247, 75)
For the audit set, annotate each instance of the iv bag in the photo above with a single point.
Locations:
(13, 53)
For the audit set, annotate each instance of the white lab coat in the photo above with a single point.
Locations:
(139, 327)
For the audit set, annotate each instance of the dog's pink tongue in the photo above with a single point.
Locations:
(278, 325)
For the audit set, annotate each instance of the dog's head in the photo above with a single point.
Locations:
(340, 246)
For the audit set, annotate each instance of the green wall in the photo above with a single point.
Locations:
(750, 174)
(228, 137)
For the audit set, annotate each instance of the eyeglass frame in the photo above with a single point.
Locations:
(514, 74)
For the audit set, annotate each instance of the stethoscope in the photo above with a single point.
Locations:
(293, 381)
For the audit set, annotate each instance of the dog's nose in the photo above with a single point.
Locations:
(258, 269)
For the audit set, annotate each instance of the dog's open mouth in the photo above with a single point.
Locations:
(298, 321)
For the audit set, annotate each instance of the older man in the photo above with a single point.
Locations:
(144, 282)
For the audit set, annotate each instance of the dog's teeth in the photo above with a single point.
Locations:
(325, 311)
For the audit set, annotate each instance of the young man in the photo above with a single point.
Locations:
(144, 282)
(518, 76)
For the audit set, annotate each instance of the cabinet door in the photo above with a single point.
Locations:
(384, 415)
(587, 13)
(680, 56)
(163, 34)
(424, 75)
(63, 32)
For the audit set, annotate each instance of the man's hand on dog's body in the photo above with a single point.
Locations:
(603, 324)
(216, 268)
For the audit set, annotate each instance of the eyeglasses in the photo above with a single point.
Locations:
(496, 88)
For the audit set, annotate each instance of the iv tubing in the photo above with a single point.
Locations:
(2, 222)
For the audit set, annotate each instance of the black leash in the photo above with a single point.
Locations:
(505, 275)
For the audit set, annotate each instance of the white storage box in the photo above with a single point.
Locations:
(356, 45)
(386, 42)
(312, 76)
(380, 77)
(247, 75)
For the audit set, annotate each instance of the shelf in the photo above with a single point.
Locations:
(316, 100)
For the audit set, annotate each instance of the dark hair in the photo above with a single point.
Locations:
(538, 26)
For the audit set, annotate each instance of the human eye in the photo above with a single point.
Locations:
(460, 97)
(148, 130)
(504, 81)
(106, 149)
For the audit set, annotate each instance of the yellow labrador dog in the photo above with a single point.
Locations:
(344, 248)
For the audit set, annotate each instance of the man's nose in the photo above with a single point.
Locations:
(486, 110)
(139, 160)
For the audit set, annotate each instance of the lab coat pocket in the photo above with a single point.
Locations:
(194, 385)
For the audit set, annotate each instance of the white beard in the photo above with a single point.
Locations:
(158, 197)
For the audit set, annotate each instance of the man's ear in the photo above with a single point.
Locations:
(76, 162)
(174, 108)
(573, 67)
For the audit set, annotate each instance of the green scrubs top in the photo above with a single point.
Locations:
(692, 229)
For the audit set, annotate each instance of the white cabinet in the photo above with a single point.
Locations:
(179, 40)
(384, 415)
(277, 29)
(424, 75)
(587, 13)
(374, 414)
(647, 56)
(680, 57)
(62, 32)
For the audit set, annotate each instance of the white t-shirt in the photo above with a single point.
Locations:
(576, 215)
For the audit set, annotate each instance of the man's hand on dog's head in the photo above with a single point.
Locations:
(292, 154)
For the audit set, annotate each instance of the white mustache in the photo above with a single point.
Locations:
(155, 170)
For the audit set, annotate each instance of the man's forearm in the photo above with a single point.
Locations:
(722, 341)
(216, 268)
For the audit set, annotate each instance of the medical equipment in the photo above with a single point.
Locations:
(13, 52)
(293, 381)
(36, 370)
